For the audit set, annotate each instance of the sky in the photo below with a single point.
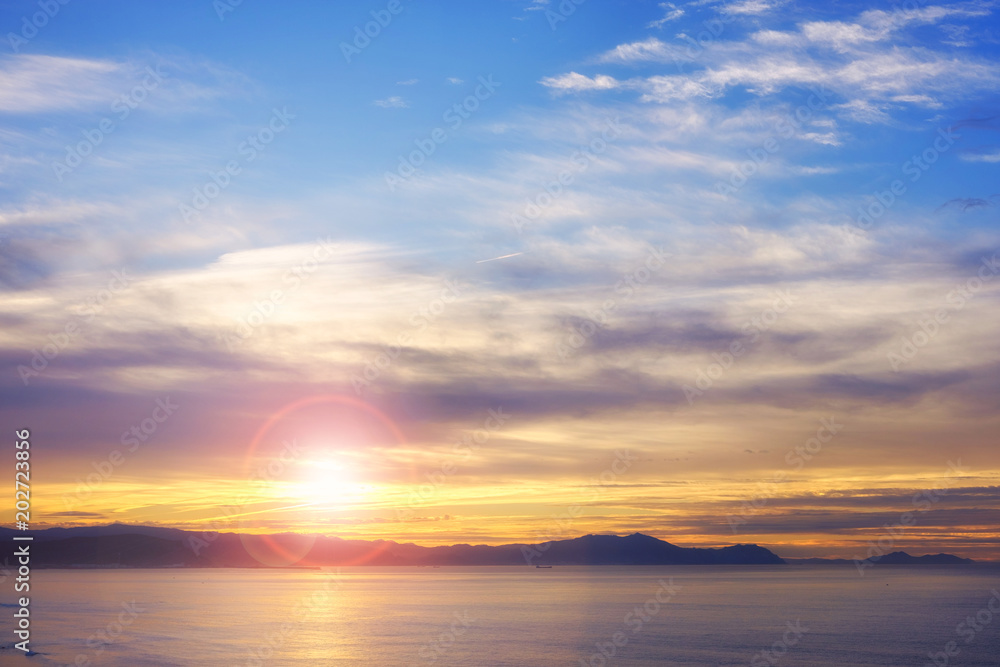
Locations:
(507, 271)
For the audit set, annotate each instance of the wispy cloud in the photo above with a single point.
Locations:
(990, 157)
(857, 61)
(574, 82)
(968, 203)
(671, 13)
(41, 83)
(394, 102)
(652, 49)
(38, 83)
(752, 7)
(878, 25)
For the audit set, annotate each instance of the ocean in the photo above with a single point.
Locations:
(592, 616)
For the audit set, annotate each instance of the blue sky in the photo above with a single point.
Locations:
(225, 76)
(737, 139)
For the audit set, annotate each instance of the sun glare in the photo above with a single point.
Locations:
(328, 482)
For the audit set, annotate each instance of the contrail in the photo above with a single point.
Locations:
(272, 509)
(513, 254)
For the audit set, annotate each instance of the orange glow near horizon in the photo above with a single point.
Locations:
(337, 465)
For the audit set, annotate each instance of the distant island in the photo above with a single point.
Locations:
(894, 558)
(121, 545)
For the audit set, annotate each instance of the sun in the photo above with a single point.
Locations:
(329, 482)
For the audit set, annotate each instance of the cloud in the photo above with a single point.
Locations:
(957, 34)
(574, 82)
(57, 211)
(394, 102)
(854, 60)
(864, 111)
(454, 80)
(408, 82)
(878, 25)
(43, 84)
(968, 203)
(752, 7)
(991, 123)
(672, 13)
(651, 49)
(991, 157)
(669, 88)
(39, 83)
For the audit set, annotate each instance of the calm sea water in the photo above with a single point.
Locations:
(511, 616)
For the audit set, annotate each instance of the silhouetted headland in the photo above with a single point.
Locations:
(120, 545)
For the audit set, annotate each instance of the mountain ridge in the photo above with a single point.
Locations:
(150, 546)
(128, 545)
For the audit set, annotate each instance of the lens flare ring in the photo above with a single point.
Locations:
(289, 549)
